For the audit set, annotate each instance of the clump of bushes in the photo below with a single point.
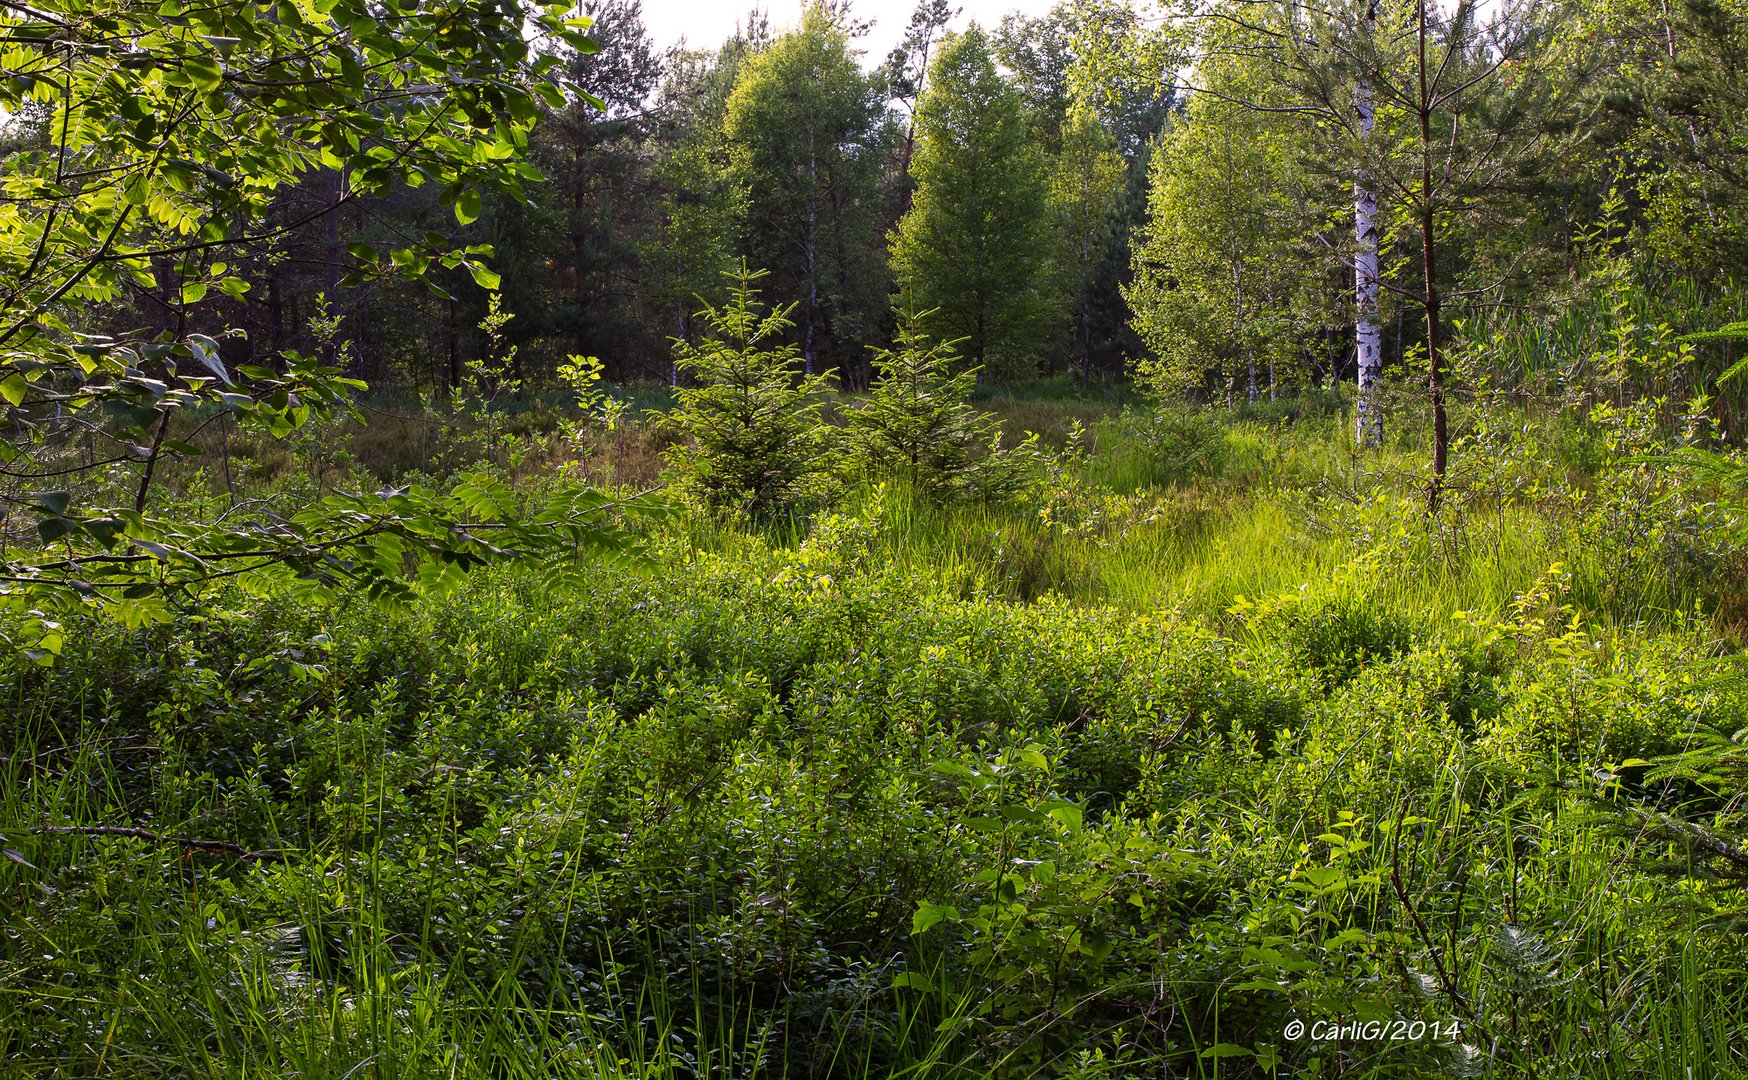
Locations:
(777, 804)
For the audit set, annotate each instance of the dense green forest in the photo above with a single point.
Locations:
(1191, 539)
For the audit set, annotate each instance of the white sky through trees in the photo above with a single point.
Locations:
(705, 23)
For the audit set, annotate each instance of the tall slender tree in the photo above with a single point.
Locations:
(594, 152)
(808, 134)
(1445, 113)
(1368, 339)
(907, 74)
(1436, 115)
(1217, 259)
(973, 247)
(1086, 189)
(700, 205)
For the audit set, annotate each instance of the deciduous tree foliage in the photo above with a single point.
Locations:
(808, 134)
(1087, 182)
(167, 132)
(975, 246)
(1220, 256)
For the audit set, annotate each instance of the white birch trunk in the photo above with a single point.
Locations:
(1368, 340)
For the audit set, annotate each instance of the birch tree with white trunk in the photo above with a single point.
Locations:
(1368, 339)
(1438, 115)
(1446, 114)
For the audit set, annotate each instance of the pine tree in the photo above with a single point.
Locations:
(593, 151)
(906, 72)
(975, 246)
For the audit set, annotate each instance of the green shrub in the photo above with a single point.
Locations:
(1184, 441)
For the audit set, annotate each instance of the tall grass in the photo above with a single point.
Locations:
(1270, 509)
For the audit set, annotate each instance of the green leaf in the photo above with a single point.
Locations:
(927, 915)
(467, 206)
(161, 552)
(13, 388)
(53, 528)
(55, 502)
(1096, 944)
(204, 73)
(1068, 815)
(206, 350)
(484, 277)
(104, 529)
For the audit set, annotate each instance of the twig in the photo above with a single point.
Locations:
(1445, 980)
(1668, 827)
(217, 847)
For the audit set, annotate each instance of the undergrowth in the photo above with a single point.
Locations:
(1209, 733)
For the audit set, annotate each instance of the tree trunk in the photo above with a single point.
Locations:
(454, 334)
(1086, 302)
(1430, 297)
(1368, 340)
(1238, 328)
(332, 228)
(808, 243)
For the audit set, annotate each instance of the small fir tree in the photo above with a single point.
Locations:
(753, 442)
(918, 422)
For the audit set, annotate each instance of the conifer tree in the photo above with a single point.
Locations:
(975, 247)
(753, 441)
(918, 421)
(699, 205)
(906, 72)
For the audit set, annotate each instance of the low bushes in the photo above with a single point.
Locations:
(794, 812)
